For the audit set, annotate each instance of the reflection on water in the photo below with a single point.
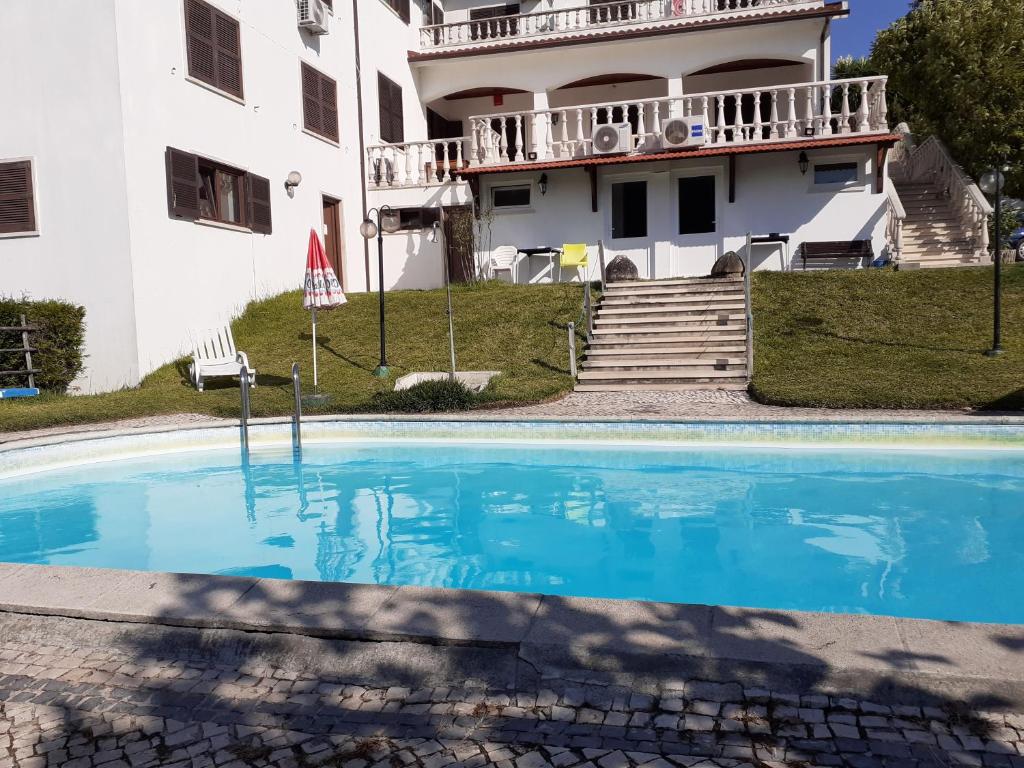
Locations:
(935, 536)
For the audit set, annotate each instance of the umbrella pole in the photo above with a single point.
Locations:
(316, 388)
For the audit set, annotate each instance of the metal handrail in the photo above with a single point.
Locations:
(243, 378)
(297, 422)
(572, 349)
(588, 310)
(748, 303)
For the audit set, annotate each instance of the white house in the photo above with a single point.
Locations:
(150, 146)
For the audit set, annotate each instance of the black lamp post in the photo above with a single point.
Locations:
(992, 184)
(387, 221)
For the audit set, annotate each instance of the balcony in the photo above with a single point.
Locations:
(595, 20)
(745, 118)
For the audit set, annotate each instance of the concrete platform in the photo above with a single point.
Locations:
(532, 636)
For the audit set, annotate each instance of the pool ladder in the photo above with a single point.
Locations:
(247, 412)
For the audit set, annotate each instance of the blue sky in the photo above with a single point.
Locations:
(853, 36)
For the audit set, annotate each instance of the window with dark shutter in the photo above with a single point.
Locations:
(202, 189)
(401, 7)
(392, 122)
(17, 202)
(319, 103)
(214, 46)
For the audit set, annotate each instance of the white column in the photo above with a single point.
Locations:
(675, 97)
(539, 140)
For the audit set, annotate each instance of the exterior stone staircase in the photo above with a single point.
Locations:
(933, 233)
(679, 334)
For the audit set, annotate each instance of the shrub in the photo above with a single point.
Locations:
(59, 339)
(426, 397)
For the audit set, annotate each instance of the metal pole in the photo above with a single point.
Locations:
(749, 307)
(997, 331)
(448, 290)
(297, 424)
(382, 369)
(243, 377)
(315, 382)
(572, 349)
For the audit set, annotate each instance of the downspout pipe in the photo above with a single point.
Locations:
(362, 142)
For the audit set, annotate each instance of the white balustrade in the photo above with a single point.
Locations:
(417, 164)
(753, 116)
(585, 18)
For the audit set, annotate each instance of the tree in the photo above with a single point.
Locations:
(956, 70)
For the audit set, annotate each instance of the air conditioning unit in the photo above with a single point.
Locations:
(613, 138)
(313, 16)
(683, 132)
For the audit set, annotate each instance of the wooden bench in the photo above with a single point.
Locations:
(837, 249)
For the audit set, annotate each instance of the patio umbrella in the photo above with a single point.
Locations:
(322, 289)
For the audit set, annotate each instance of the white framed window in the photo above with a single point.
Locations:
(512, 197)
(837, 174)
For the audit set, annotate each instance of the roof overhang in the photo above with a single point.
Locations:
(830, 10)
(868, 139)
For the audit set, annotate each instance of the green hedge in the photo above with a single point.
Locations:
(59, 338)
(426, 397)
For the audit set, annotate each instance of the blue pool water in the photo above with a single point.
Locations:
(931, 535)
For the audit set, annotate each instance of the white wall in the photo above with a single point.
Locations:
(191, 275)
(771, 196)
(61, 85)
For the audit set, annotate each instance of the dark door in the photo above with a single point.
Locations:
(459, 241)
(332, 236)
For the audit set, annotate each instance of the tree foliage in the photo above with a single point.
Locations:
(956, 70)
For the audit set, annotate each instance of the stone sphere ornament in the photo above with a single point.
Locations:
(728, 264)
(621, 268)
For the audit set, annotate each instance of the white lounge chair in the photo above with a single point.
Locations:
(214, 354)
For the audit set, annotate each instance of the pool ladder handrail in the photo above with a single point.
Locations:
(243, 378)
(297, 421)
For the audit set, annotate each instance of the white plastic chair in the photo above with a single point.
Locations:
(505, 258)
(214, 354)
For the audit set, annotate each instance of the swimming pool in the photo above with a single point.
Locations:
(915, 532)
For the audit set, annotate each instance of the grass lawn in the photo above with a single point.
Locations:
(884, 339)
(518, 330)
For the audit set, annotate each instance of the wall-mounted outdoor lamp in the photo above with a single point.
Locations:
(293, 180)
(804, 163)
(543, 184)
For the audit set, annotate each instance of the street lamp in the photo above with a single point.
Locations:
(992, 184)
(387, 221)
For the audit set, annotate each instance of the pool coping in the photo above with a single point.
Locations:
(880, 658)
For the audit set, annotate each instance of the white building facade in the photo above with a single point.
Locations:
(151, 148)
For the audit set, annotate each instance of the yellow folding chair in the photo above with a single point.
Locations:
(574, 256)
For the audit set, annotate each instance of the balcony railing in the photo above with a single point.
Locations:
(798, 112)
(585, 19)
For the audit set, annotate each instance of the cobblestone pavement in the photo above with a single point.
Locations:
(86, 707)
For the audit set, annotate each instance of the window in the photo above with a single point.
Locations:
(511, 197)
(629, 209)
(319, 103)
(697, 205)
(214, 47)
(417, 218)
(836, 174)
(330, 5)
(401, 7)
(493, 21)
(198, 188)
(17, 201)
(389, 97)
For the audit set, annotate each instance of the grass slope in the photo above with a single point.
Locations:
(884, 339)
(518, 330)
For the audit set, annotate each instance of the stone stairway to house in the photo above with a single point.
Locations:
(679, 334)
(933, 234)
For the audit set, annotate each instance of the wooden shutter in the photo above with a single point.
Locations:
(319, 103)
(257, 191)
(214, 47)
(17, 204)
(392, 120)
(229, 54)
(183, 184)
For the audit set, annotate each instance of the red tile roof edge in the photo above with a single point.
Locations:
(714, 151)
